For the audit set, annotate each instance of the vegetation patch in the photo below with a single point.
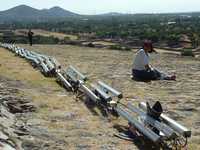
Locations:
(119, 47)
(187, 52)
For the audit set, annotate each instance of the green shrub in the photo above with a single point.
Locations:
(187, 52)
(116, 47)
(119, 47)
(67, 38)
(45, 40)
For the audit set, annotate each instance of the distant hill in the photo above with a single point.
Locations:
(26, 13)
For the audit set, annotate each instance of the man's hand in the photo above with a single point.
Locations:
(148, 67)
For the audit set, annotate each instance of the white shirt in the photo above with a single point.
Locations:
(141, 60)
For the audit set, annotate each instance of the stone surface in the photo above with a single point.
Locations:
(61, 122)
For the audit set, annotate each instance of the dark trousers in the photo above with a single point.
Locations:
(146, 75)
(30, 41)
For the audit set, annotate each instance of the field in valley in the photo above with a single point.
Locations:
(46, 34)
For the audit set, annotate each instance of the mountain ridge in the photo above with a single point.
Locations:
(24, 13)
(27, 13)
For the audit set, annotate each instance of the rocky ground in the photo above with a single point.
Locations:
(12, 109)
(55, 120)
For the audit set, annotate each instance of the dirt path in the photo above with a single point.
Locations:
(68, 123)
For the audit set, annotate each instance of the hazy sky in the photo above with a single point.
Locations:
(104, 6)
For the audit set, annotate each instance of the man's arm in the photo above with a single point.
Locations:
(147, 67)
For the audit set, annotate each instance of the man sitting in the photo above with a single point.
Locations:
(141, 68)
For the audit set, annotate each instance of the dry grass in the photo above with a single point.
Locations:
(181, 99)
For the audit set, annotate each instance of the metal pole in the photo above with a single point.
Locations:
(158, 125)
(172, 123)
(140, 126)
(110, 89)
(64, 81)
(89, 93)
